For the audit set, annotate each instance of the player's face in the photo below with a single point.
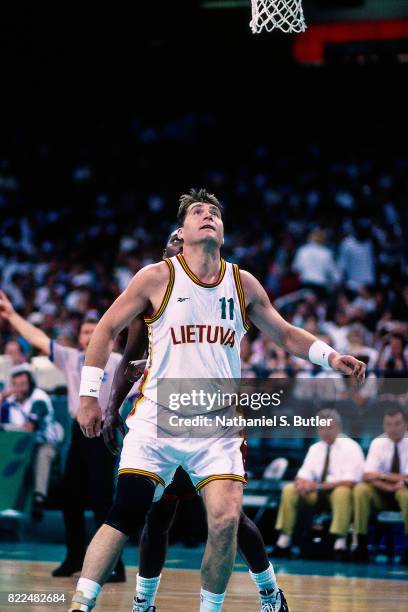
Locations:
(202, 224)
(174, 245)
(85, 334)
(21, 387)
(395, 426)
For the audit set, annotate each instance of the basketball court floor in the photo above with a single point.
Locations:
(308, 585)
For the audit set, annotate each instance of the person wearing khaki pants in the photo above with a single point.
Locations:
(331, 468)
(385, 479)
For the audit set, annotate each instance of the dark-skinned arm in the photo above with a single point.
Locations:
(125, 376)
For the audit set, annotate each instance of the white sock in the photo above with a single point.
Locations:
(89, 588)
(211, 602)
(265, 581)
(146, 589)
(284, 540)
(340, 544)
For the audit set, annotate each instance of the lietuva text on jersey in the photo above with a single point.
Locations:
(187, 334)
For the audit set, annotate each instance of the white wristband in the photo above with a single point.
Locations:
(319, 354)
(91, 380)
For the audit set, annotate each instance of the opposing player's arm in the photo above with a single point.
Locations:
(122, 382)
(125, 376)
(293, 339)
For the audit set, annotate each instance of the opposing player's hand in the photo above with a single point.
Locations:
(89, 416)
(111, 425)
(6, 307)
(349, 365)
(135, 369)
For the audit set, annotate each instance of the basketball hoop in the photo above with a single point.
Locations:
(286, 15)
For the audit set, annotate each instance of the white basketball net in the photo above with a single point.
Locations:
(286, 15)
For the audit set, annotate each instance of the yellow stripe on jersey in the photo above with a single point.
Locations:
(241, 296)
(136, 404)
(145, 376)
(202, 483)
(142, 473)
(195, 278)
(166, 298)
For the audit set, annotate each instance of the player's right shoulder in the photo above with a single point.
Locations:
(150, 278)
(156, 273)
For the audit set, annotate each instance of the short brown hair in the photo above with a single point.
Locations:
(193, 196)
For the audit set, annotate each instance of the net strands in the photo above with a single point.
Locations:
(286, 15)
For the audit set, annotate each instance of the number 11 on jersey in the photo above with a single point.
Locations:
(224, 307)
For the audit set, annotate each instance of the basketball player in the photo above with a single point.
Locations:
(192, 334)
(154, 538)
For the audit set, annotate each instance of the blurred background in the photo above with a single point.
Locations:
(303, 138)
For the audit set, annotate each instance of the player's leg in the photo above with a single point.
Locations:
(252, 549)
(101, 468)
(153, 550)
(154, 539)
(222, 500)
(133, 497)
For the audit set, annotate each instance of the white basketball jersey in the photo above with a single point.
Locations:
(197, 331)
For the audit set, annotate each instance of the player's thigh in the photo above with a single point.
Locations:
(218, 459)
(150, 457)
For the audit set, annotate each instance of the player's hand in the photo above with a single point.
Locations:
(135, 369)
(89, 416)
(6, 307)
(349, 365)
(111, 425)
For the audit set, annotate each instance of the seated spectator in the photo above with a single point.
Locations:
(330, 386)
(361, 394)
(385, 479)
(14, 351)
(393, 363)
(356, 257)
(315, 264)
(330, 470)
(394, 354)
(357, 344)
(25, 407)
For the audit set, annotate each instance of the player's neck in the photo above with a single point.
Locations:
(205, 264)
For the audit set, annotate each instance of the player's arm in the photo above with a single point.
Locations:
(125, 376)
(32, 334)
(293, 339)
(137, 297)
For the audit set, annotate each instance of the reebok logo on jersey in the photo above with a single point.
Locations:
(190, 334)
(182, 299)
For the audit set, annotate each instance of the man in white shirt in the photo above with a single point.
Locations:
(356, 258)
(329, 472)
(315, 263)
(89, 467)
(385, 478)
